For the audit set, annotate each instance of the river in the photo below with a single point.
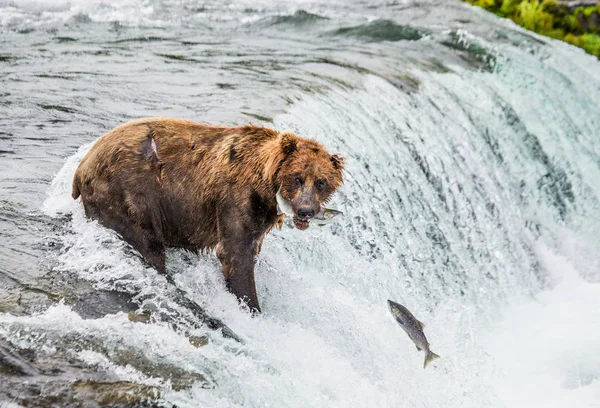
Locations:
(471, 195)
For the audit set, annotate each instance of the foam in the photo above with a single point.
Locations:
(547, 349)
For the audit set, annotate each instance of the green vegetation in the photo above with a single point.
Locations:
(579, 26)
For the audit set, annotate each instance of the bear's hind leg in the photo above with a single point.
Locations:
(141, 231)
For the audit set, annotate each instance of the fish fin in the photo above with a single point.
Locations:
(421, 324)
(429, 357)
(419, 348)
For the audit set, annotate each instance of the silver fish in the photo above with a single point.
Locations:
(283, 206)
(413, 328)
(326, 216)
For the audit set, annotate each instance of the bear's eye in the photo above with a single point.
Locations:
(297, 182)
(320, 184)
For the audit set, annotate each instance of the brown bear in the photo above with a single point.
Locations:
(162, 182)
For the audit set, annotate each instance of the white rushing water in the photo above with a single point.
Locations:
(475, 202)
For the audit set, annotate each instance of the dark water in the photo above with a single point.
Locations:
(472, 196)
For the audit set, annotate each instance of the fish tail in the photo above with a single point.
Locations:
(429, 357)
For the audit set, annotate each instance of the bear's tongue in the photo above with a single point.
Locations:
(300, 224)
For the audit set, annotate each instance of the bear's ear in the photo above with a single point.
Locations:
(289, 143)
(337, 161)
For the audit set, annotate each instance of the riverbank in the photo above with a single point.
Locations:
(576, 22)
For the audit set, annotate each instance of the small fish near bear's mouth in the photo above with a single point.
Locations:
(300, 223)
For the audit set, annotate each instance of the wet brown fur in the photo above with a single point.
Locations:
(162, 182)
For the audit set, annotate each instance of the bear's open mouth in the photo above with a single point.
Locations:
(300, 223)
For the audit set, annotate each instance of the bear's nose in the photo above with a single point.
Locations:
(306, 213)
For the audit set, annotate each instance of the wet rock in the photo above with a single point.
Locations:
(197, 341)
(114, 393)
(143, 317)
(97, 304)
(13, 364)
(179, 377)
(31, 378)
(45, 392)
(24, 299)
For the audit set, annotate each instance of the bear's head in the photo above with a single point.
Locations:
(307, 178)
